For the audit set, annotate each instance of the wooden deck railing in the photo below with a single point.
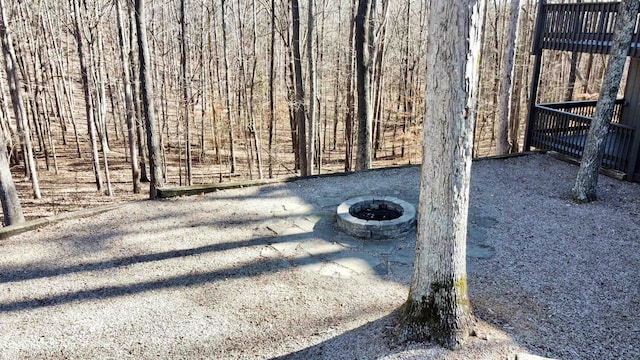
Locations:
(563, 127)
(585, 107)
(582, 27)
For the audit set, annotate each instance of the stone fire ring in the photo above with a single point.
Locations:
(375, 229)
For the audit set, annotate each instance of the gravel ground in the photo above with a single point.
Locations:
(260, 272)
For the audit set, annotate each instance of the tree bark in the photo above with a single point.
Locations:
(438, 306)
(312, 90)
(185, 91)
(153, 141)
(299, 107)
(135, 93)
(227, 88)
(84, 73)
(506, 84)
(363, 86)
(11, 208)
(15, 88)
(349, 117)
(272, 98)
(128, 98)
(586, 183)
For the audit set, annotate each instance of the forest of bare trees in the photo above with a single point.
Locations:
(243, 89)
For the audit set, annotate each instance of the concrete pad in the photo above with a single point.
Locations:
(359, 262)
(285, 228)
(380, 247)
(319, 247)
(402, 272)
(335, 270)
(404, 256)
(307, 223)
(289, 249)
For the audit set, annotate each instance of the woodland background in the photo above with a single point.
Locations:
(224, 90)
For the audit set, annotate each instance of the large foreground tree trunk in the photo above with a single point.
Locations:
(153, 141)
(584, 189)
(438, 306)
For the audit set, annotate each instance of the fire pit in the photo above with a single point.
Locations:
(377, 218)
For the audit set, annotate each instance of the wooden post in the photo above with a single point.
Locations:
(535, 77)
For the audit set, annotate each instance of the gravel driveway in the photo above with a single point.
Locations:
(260, 272)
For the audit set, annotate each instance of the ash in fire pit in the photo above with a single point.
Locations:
(378, 218)
(376, 210)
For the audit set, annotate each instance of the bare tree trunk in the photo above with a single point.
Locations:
(311, 142)
(15, 88)
(128, 97)
(227, 88)
(586, 183)
(185, 91)
(363, 85)
(506, 83)
(438, 307)
(255, 130)
(406, 100)
(573, 69)
(349, 118)
(300, 111)
(101, 103)
(272, 96)
(84, 72)
(135, 93)
(153, 141)
(336, 93)
(378, 81)
(585, 86)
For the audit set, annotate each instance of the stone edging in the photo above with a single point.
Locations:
(372, 229)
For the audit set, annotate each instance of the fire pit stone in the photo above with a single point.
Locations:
(375, 217)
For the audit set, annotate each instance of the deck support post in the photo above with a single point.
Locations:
(536, 50)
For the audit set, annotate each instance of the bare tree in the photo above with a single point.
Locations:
(15, 88)
(349, 117)
(584, 189)
(229, 110)
(86, 85)
(272, 97)
(438, 307)
(128, 97)
(506, 84)
(363, 85)
(184, 61)
(313, 90)
(153, 141)
(299, 110)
